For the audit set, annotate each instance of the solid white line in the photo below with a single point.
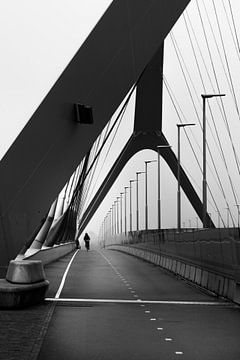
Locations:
(140, 301)
(64, 276)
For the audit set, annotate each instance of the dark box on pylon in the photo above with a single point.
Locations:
(83, 114)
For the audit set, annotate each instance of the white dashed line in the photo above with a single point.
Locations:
(153, 319)
(178, 352)
(159, 328)
(168, 339)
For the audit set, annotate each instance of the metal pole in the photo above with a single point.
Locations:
(159, 195)
(146, 195)
(130, 202)
(137, 200)
(137, 204)
(121, 194)
(125, 208)
(204, 181)
(146, 198)
(179, 215)
(178, 191)
(227, 216)
(117, 214)
(130, 205)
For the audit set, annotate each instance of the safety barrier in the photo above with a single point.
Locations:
(209, 258)
(51, 254)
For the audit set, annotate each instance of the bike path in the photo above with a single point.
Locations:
(115, 306)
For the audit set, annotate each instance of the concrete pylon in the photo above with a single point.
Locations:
(147, 135)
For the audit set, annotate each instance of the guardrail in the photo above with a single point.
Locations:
(210, 258)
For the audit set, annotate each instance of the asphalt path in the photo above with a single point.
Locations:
(115, 306)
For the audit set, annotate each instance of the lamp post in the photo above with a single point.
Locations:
(204, 181)
(111, 212)
(179, 126)
(130, 202)
(227, 208)
(159, 186)
(121, 194)
(137, 203)
(237, 205)
(146, 194)
(117, 201)
(125, 208)
(218, 215)
(114, 219)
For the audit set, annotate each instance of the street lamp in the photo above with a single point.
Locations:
(137, 203)
(121, 194)
(159, 187)
(237, 205)
(117, 201)
(179, 126)
(204, 181)
(111, 216)
(228, 210)
(130, 202)
(218, 215)
(125, 208)
(146, 197)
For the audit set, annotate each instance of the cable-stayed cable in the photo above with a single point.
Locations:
(195, 155)
(217, 84)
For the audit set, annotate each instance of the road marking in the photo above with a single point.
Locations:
(153, 319)
(168, 339)
(65, 275)
(178, 352)
(142, 301)
(159, 328)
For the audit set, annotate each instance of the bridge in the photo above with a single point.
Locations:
(162, 276)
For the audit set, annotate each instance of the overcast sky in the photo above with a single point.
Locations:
(38, 39)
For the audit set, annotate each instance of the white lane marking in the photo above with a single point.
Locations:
(143, 301)
(159, 328)
(147, 311)
(65, 275)
(178, 352)
(153, 319)
(168, 339)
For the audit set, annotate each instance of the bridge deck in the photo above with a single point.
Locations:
(99, 314)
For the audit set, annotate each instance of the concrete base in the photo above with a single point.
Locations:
(13, 296)
(24, 285)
